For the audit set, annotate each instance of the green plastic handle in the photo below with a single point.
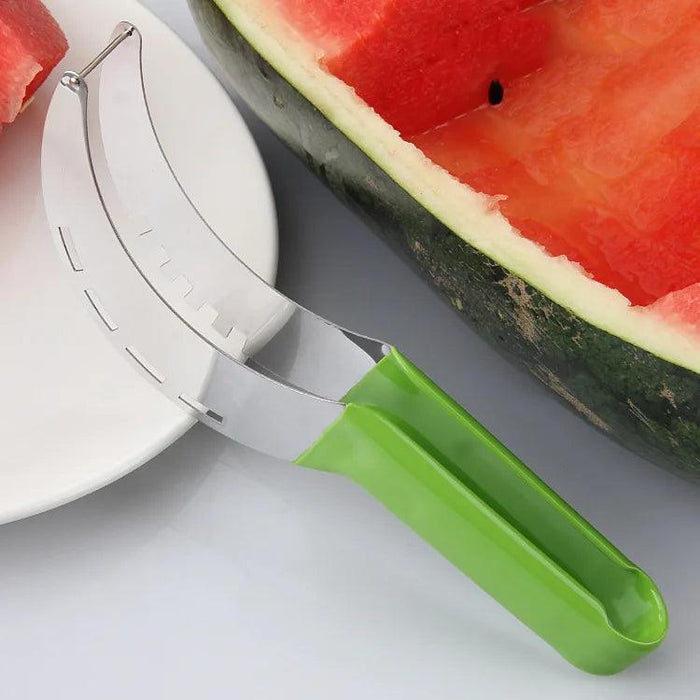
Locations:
(424, 457)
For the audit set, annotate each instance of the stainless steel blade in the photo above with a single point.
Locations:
(190, 267)
(142, 317)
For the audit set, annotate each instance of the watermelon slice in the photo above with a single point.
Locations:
(580, 149)
(539, 161)
(31, 44)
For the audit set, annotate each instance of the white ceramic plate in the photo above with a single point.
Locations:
(74, 416)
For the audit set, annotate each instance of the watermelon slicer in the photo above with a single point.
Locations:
(179, 305)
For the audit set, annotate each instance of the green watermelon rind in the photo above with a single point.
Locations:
(645, 402)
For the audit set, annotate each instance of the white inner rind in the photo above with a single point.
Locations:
(469, 214)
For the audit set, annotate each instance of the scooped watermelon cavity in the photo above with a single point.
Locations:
(596, 143)
(31, 44)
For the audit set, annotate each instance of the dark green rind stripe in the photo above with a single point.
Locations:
(645, 402)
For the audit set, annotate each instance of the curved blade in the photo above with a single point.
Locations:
(190, 267)
(137, 315)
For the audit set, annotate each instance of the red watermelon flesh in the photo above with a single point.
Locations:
(595, 147)
(680, 307)
(333, 24)
(17, 69)
(405, 57)
(31, 44)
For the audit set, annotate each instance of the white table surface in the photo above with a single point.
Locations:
(215, 572)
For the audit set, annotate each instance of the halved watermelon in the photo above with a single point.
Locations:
(31, 44)
(539, 160)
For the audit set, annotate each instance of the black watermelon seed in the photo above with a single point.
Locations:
(495, 92)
